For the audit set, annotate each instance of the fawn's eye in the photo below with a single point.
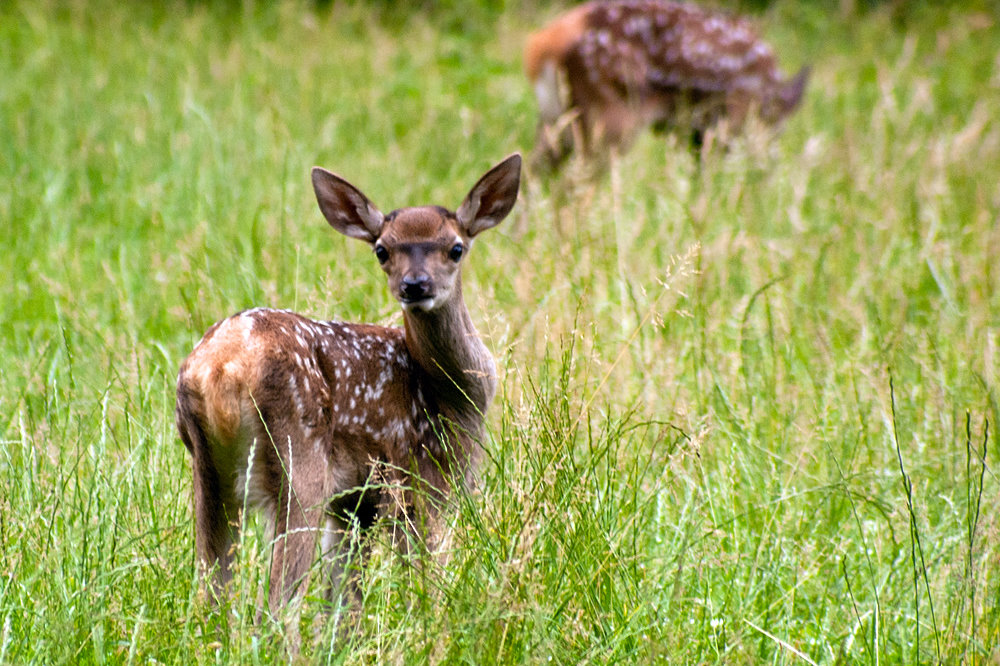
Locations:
(381, 254)
(456, 252)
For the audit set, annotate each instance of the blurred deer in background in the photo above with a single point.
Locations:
(327, 426)
(606, 70)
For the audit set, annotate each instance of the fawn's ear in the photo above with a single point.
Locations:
(791, 92)
(345, 207)
(490, 200)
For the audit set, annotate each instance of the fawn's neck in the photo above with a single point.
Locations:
(456, 363)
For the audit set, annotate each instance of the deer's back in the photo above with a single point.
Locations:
(339, 395)
(650, 56)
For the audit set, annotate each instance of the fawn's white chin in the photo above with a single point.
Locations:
(423, 305)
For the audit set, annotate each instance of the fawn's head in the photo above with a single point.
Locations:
(421, 248)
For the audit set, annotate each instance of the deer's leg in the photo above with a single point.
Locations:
(216, 516)
(410, 502)
(343, 547)
(297, 526)
(351, 513)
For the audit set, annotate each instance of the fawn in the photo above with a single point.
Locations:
(606, 70)
(326, 425)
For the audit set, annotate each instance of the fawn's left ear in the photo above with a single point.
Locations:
(491, 199)
(345, 207)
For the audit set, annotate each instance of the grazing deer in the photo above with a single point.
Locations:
(328, 425)
(606, 70)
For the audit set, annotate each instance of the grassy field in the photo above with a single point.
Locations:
(748, 407)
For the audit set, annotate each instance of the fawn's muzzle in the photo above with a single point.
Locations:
(415, 287)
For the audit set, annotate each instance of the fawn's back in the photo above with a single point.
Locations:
(275, 380)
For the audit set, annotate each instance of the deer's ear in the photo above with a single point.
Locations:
(345, 207)
(490, 200)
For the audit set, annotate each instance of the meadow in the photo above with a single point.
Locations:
(748, 403)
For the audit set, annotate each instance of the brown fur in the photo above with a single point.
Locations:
(325, 425)
(606, 70)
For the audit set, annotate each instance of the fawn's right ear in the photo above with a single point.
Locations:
(345, 207)
(791, 92)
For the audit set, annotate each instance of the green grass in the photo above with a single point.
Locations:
(748, 408)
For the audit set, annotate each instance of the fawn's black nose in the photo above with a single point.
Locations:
(416, 287)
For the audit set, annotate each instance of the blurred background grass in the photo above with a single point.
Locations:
(748, 404)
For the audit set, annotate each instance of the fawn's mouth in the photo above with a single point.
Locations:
(424, 303)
